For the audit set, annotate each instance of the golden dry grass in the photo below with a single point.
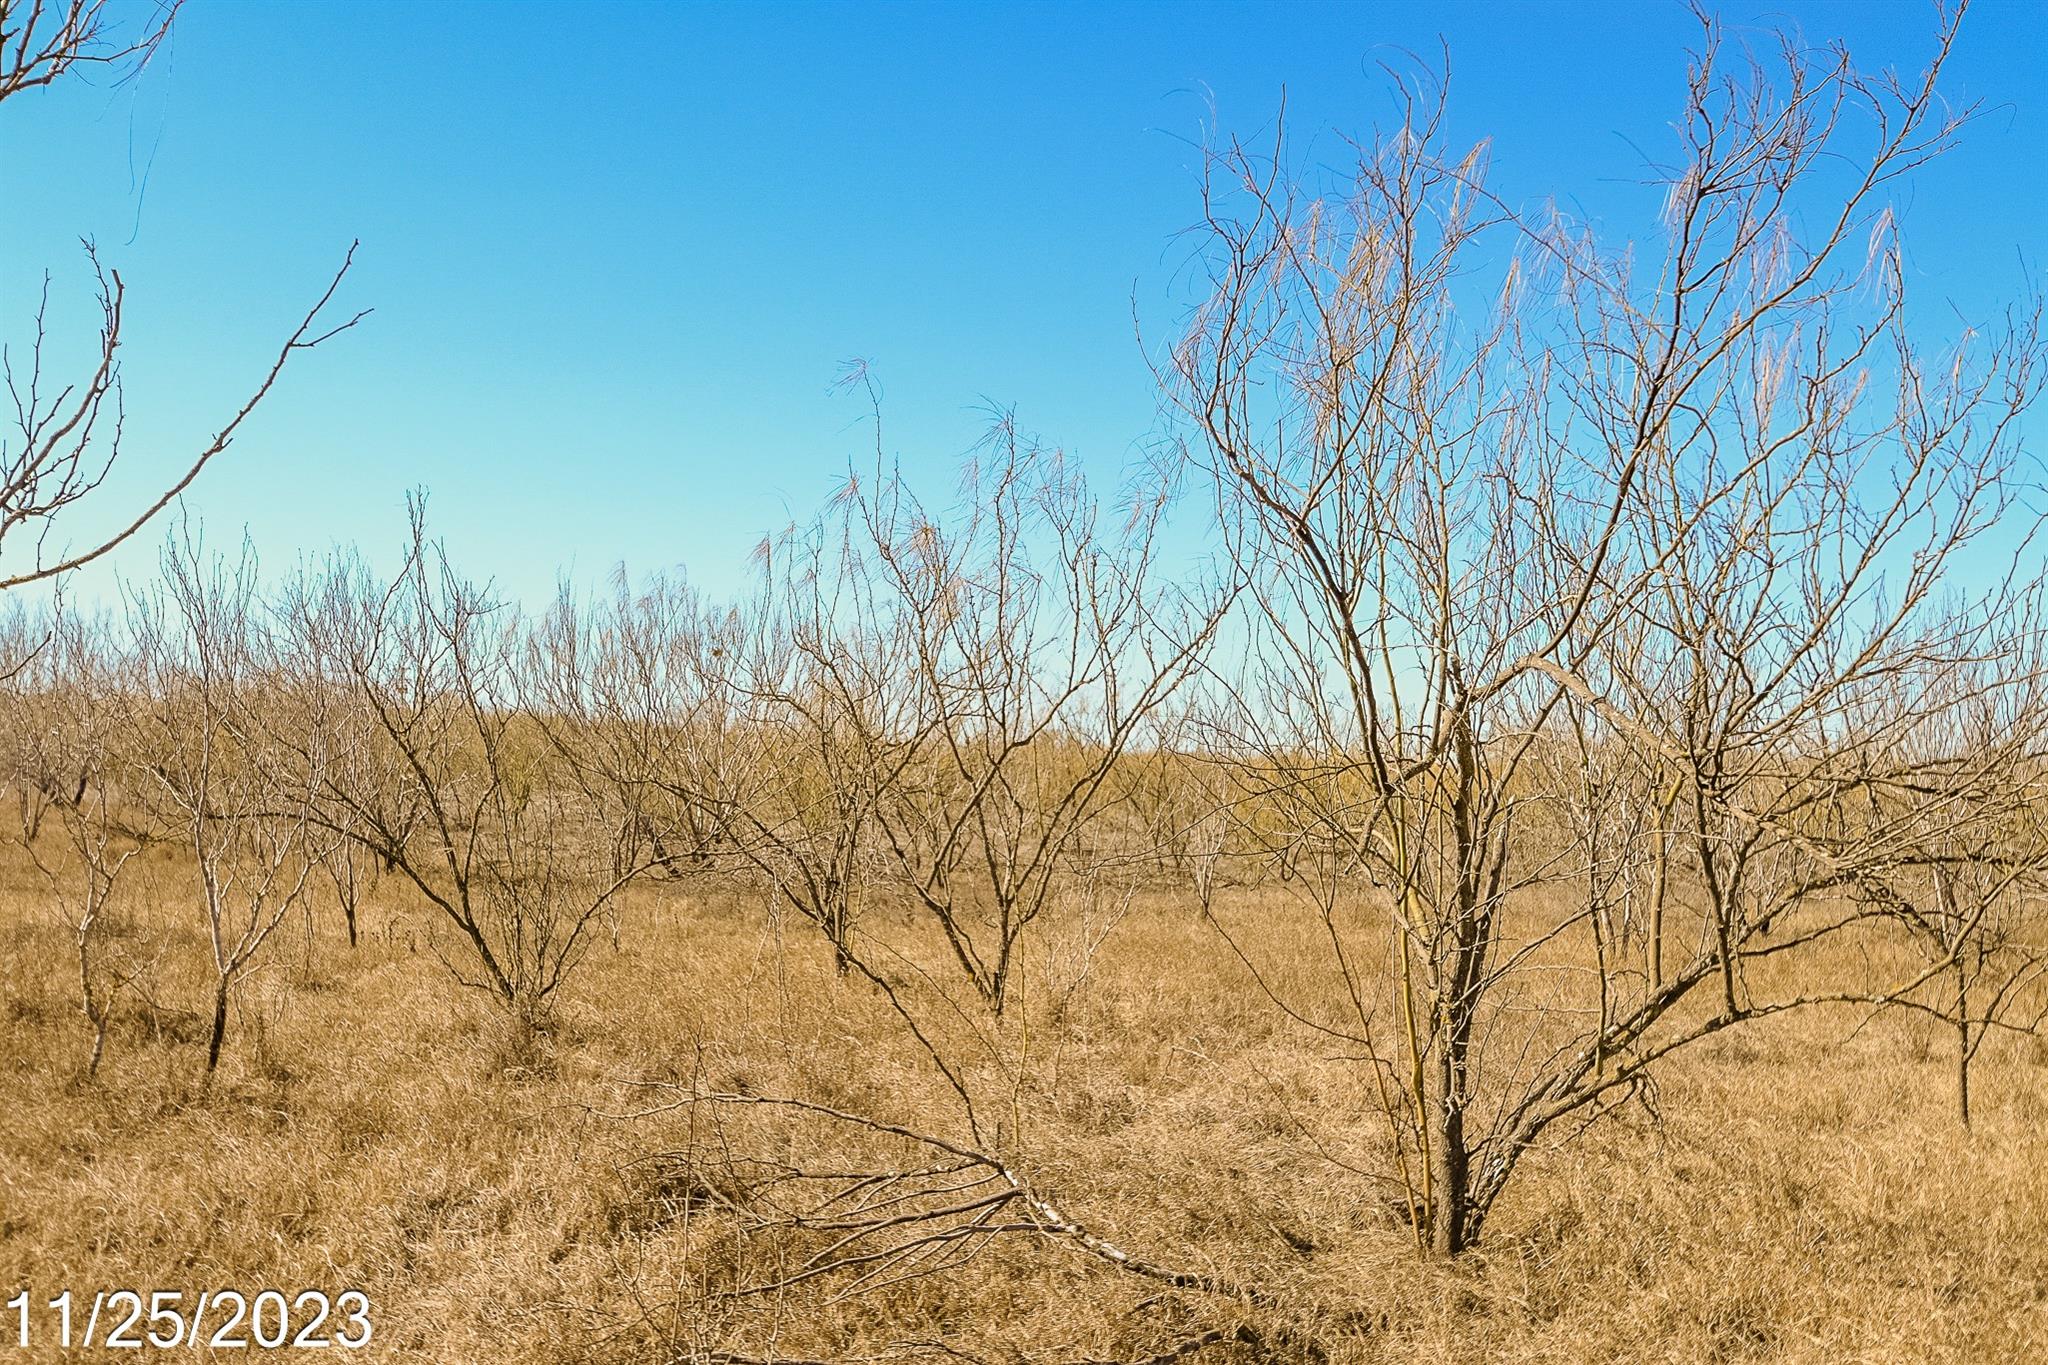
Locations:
(1803, 1199)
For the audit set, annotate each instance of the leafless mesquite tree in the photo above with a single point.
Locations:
(1025, 647)
(352, 872)
(45, 765)
(315, 706)
(242, 806)
(72, 696)
(749, 740)
(824, 725)
(970, 684)
(1941, 829)
(1682, 512)
(623, 690)
(1178, 805)
(443, 774)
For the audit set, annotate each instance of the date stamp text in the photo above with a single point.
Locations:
(163, 1319)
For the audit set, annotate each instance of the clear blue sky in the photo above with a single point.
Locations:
(618, 252)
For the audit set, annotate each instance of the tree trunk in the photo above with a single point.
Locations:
(839, 929)
(99, 1043)
(98, 1013)
(1962, 1043)
(220, 1025)
(1453, 1193)
(1458, 1001)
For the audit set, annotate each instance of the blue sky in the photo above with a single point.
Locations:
(618, 253)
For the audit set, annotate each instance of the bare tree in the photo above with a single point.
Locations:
(243, 808)
(1034, 648)
(44, 766)
(72, 696)
(1682, 523)
(1942, 831)
(935, 709)
(352, 871)
(629, 691)
(448, 782)
(1179, 806)
(818, 683)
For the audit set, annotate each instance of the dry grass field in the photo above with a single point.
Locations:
(1798, 1198)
